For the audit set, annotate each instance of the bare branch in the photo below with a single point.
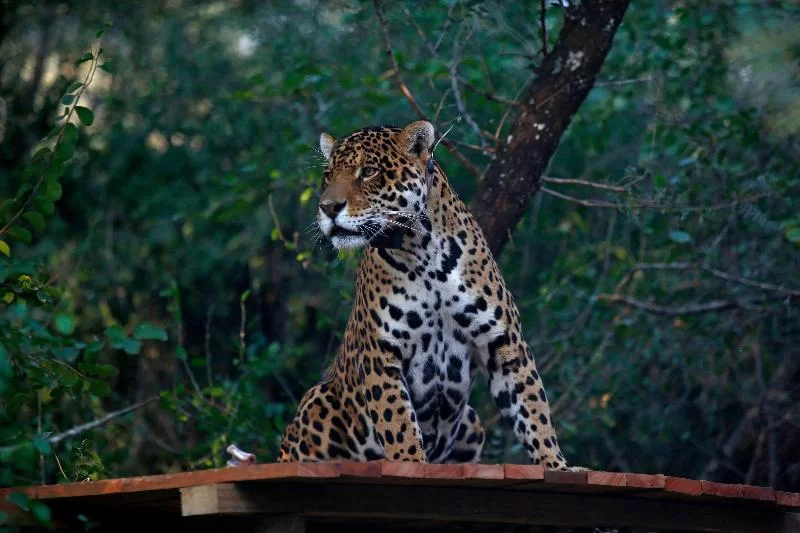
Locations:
(663, 266)
(586, 183)
(751, 283)
(83, 428)
(720, 274)
(462, 108)
(387, 44)
(613, 83)
(714, 306)
(649, 204)
(489, 95)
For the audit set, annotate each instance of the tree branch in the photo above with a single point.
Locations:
(585, 183)
(77, 430)
(714, 306)
(720, 274)
(566, 76)
(387, 45)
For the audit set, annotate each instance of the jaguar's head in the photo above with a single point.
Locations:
(375, 182)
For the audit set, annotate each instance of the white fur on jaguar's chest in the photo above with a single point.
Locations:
(436, 354)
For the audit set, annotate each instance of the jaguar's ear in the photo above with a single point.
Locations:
(326, 142)
(417, 137)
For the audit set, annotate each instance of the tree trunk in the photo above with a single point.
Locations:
(565, 78)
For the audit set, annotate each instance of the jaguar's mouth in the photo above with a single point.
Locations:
(338, 231)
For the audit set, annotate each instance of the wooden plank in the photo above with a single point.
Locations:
(482, 471)
(319, 470)
(753, 492)
(456, 504)
(444, 471)
(157, 482)
(679, 485)
(605, 479)
(402, 469)
(524, 472)
(789, 500)
(645, 481)
(202, 500)
(721, 490)
(357, 469)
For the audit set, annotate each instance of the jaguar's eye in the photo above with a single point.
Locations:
(368, 172)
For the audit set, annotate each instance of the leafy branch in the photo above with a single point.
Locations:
(48, 163)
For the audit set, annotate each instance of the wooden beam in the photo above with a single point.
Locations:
(479, 506)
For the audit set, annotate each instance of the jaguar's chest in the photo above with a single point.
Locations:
(430, 326)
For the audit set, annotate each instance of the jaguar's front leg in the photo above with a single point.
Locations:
(390, 409)
(517, 389)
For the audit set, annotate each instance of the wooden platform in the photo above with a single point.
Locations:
(398, 496)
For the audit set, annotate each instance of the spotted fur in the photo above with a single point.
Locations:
(429, 316)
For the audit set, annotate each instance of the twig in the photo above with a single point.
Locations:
(489, 95)
(77, 430)
(751, 283)
(586, 183)
(623, 82)
(462, 108)
(387, 43)
(720, 274)
(242, 341)
(651, 204)
(656, 309)
(60, 468)
(209, 376)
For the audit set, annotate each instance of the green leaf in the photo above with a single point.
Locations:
(67, 99)
(25, 187)
(70, 379)
(35, 219)
(216, 392)
(41, 512)
(65, 150)
(64, 324)
(55, 171)
(20, 500)
(70, 132)
(7, 298)
(148, 331)
(85, 115)
(7, 205)
(84, 58)
(793, 235)
(681, 237)
(41, 445)
(40, 154)
(43, 203)
(21, 234)
(98, 33)
(74, 87)
(245, 295)
(55, 131)
(100, 388)
(52, 189)
(105, 371)
(5, 249)
(109, 67)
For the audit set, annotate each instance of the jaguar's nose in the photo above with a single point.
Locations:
(332, 207)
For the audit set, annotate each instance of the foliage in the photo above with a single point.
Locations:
(162, 245)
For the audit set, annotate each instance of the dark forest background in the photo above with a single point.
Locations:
(157, 256)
